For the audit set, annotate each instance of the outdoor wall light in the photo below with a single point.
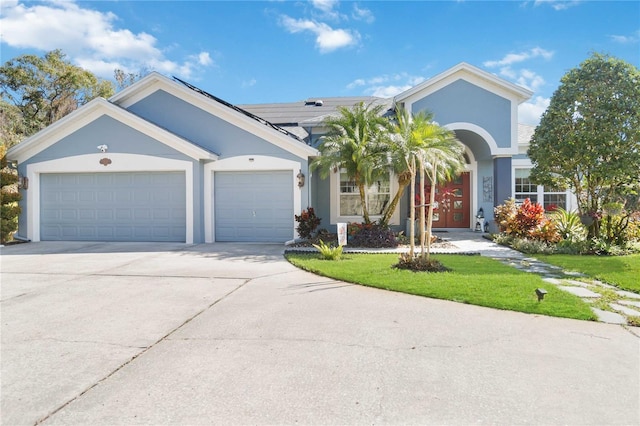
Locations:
(301, 178)
(23, 182)
(103, 148)
(540, 292)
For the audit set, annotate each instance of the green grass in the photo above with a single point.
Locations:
(474, 280)
(621, 271)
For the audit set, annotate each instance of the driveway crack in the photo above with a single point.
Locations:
(145, 350)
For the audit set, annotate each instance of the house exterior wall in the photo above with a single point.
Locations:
(204, 129)
(462, 101)
(212, 133)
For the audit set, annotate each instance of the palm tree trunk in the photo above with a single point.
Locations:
(412, 210)
(432, 199)
(422, 207)
(403, 182)
(363, 201)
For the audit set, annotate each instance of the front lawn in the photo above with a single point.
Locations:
(621, 271)
(474, 280)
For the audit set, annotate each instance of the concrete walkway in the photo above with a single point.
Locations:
(610, 304)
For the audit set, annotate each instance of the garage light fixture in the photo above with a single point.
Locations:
(301, 178)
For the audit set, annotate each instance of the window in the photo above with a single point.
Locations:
(550, 198)
(345, 198)
(378, 196)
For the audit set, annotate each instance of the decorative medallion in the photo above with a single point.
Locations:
(105, 161)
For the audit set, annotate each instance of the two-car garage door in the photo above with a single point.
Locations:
(132, 206)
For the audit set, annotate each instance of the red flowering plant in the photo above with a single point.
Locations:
(308, 222)
(526, 221)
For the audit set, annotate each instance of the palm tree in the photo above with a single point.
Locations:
(357, 141)
(405, 150)
(442, 160)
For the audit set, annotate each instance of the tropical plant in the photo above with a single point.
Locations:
(440, 160)
(308, 222)
(356, 142)
(327, 251)
(569, 225)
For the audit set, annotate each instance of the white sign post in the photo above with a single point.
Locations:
(342, 234)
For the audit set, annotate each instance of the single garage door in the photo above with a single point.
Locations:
(137, 206)
(253, 206)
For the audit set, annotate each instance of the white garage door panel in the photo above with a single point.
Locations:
(253, 206)
(136, 206)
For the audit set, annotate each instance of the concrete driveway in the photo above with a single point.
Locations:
(106, 334)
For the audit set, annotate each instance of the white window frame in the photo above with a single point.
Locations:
(571, 203)
(335, 217)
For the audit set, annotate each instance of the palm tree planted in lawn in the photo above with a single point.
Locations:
(357, 141)
(443, 160)
(435, 153)
(405, 150)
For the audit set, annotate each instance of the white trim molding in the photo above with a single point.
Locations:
(90, 163)
(246, 163)
(493, 146)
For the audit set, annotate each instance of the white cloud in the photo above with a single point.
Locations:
(89, 38)
(324, 5)
(204, 59)
(362, 14)
(530, 112)
(327, 38)
(626, 39)
(513, 58)
(386, 86)
(523, 77)
(558, 4)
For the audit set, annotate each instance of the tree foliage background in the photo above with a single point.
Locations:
(35, 92)
(588, 140)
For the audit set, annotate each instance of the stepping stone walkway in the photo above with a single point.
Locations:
(610, 304)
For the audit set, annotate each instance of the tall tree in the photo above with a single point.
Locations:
(442, 159)
(405, 148)
(357, 142)
(47, 88)
(588, 139)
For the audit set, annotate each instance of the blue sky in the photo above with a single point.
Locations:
(284, 51)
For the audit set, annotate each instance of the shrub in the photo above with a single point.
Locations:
(525, 221)
(328, 252)
(307, 223)
(9, 197)
(530, 246)
(371, 235)
(419, 264)
(569, 225)
(505, 215)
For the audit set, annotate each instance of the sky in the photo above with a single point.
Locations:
(285, 51)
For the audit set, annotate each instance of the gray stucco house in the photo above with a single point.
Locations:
(164, 161)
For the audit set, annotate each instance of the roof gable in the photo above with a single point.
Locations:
(471, 74)
(214, 106)
(92, 111)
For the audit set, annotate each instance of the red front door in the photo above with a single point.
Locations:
(452, 203)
